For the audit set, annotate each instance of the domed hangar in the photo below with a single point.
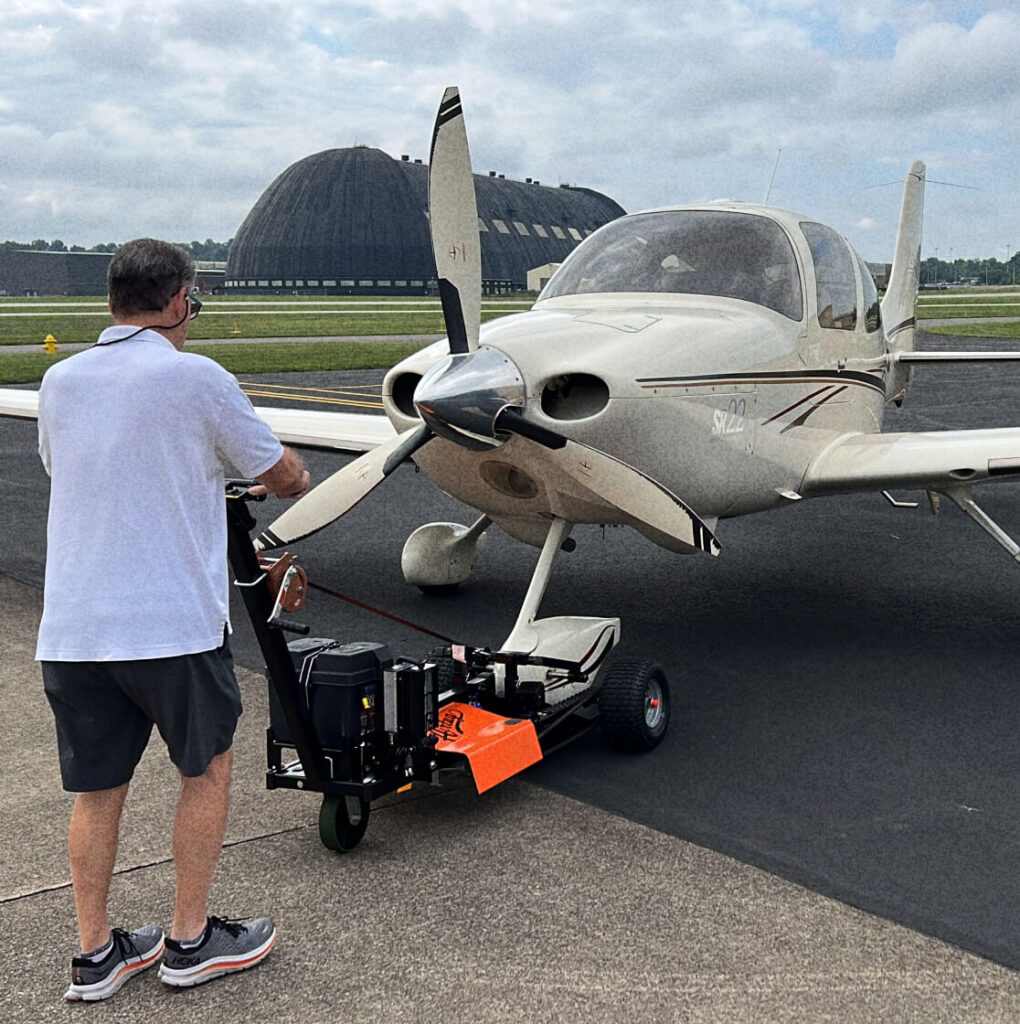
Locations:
(355, 220)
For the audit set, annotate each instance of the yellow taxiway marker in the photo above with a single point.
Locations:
(263, 392)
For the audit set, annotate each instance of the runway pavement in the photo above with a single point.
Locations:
(846, 718)
(519, 905)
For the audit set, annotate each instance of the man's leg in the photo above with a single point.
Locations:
(92, 845)
(199, 828)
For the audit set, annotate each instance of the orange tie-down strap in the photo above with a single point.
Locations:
(496, 746)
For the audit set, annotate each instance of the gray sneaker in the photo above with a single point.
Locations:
(226, 946)
(131, 953)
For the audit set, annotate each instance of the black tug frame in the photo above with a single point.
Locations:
(389, 759)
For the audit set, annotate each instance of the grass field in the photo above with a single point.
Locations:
(971, 312)
(265, 357)
(979, 330)
(974, 304)
(27, 321)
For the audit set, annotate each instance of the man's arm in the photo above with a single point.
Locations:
(287, 478)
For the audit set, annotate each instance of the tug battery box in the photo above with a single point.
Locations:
(341, 685)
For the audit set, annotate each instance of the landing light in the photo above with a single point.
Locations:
(507, 479)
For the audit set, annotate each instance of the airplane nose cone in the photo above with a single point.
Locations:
(460, 397)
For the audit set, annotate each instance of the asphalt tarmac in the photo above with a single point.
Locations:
(846, 718)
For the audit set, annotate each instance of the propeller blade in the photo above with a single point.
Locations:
(342, 491)
(647, 505)
(453, 216)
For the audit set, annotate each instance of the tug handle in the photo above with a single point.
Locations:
(242, 489)
(290, 627)
(258, 602)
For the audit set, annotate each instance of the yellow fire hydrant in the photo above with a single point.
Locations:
(50, 344)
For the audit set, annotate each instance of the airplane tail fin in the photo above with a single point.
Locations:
(900, 301)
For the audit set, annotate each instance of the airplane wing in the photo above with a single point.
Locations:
(339, 431)
(935, 461)
(945, 462)
(19, 403)
(302, 428)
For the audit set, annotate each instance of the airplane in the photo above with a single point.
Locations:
(684, 366)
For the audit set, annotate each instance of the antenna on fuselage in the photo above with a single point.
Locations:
(775, 167)
(930, 181)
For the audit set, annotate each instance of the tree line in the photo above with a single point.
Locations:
(933, 270)
(207, 250)
(970, 271)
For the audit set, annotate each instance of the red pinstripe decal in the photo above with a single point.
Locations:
(595, 645)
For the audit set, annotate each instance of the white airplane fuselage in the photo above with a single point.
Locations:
(722, 400)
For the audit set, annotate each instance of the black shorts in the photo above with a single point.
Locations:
(105, 711)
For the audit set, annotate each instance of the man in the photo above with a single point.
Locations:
(137, 437)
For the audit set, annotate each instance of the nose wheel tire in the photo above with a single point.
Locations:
(634, 704)
(342, 822)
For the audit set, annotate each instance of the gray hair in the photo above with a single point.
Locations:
(145, 274)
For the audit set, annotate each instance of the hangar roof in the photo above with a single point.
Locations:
(358, 214)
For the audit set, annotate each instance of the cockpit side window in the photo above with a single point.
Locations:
(834, 277)
(872, 307)
(699, 252)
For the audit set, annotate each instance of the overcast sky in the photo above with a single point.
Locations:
(119, 119)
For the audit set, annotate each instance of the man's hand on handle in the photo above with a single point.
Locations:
(288, 478)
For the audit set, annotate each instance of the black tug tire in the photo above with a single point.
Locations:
(446, 667)
(336, 830)
(634, 704)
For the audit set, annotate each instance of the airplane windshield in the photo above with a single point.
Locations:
(699, 252)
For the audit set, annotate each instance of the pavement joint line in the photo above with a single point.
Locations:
(19, 896)
(131, 868)
(228, 845)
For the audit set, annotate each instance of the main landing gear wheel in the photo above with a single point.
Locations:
(342, 822)
(634, 704)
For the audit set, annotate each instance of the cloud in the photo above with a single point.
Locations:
(945, 67)
(179, 115)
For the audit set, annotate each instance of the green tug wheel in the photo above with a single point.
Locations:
(342, 822)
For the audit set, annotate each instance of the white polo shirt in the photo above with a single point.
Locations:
(137, 438)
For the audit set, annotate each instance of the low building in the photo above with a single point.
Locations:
(880, 272)
(538, 277)
(38, 272)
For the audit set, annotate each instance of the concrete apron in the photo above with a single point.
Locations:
(516, 905)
